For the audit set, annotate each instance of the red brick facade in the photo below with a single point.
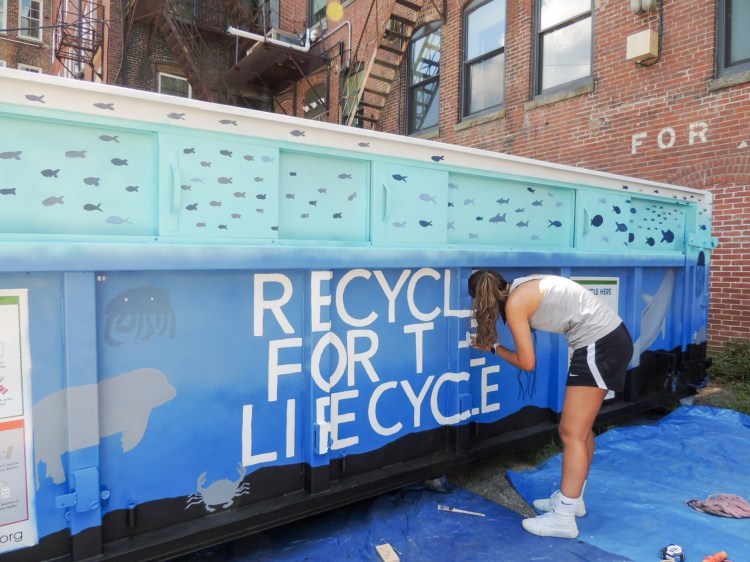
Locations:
(20, 52)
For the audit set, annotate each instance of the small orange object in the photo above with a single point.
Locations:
(717, 557)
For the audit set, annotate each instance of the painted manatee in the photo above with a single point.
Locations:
(119, 404)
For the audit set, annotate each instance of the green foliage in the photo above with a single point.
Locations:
(731, 364)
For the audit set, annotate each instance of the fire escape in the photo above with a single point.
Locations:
(78, 38)
(370, 81)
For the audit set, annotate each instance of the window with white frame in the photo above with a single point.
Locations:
(733, 40)
(484, 56)
(30, 19)
(563, 44)
(3, 14)
(29, 68)
(174, 86)
(423, 89)
(316, 11)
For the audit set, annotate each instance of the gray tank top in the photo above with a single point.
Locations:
(570, 309)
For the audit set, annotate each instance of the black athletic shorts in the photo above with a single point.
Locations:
(604, 363)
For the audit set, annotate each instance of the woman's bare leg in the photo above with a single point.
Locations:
(581, 405)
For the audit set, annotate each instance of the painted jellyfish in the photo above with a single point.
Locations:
(140, 312)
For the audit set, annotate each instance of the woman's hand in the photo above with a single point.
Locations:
(479, 347)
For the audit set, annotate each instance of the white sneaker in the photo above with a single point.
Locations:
(547, 503)
(552, 524)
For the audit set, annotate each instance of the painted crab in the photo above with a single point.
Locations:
(219, 493)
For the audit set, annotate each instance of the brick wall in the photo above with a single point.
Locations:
(15, 50)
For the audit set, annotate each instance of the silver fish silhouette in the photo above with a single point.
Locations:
(53, 201)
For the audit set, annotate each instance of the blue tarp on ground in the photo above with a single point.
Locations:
(411, 523)
(642, 476)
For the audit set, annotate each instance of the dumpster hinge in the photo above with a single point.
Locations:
(86, 495)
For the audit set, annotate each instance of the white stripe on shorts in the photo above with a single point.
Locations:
(591, 360)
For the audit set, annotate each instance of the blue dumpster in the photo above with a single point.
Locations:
(214, 321)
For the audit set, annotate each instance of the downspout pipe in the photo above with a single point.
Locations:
(263, 39)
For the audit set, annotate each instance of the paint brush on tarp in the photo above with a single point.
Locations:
(442, 507)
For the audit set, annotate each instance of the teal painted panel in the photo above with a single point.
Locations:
(218, 187)
(625, 222)
(323, 198)
(410, 204)
(509, 213)
(69, 178)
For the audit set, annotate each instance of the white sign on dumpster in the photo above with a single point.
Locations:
(17, 512)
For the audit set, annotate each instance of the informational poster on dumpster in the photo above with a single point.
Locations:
(17, 514)
(606, 288)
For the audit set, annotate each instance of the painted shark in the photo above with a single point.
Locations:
(653, 317)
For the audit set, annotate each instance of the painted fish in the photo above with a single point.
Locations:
(239, 194)
(260, 196)
(186, 187)
(345, 176)
(11, 155)
(322, 190)
(427, 197)
(667, 236)
(597, 220)
(215, 203)
(469, 202)
(399, 224)
(297, 133)
(313, 203)
(225, 181)
(557, 224)
(498, 218)
(363, 144)
(75, 154)
(8, 191)
(258, 179)
(503, 201)
(105, 106)
(353, 196)
(521, 224)
(109, 138)
(531, 190)
(268, 158)
(249, 157)
(424, 223)
(91, 181)
(188, 150)
(48, 173)
(119, 162)
(228, 122)
(32, 97)
(537, 203)
(520, 210)
(337, 215)
(92, 207)
(176, 116)
(399, 177)
(226, 153)
(53, 201)
(653, 316)
(289, 195)
(223, 227)
(452, 185)
(205, 164)
(134, 188)
(192, 207)
(118, 220)
(236, 216)
(437, 158)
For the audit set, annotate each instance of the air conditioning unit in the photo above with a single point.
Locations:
(284, 37)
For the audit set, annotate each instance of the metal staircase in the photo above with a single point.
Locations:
(365, 96)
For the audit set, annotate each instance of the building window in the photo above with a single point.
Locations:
(353, 83)
(28, 68)
(484, 56)
(3, 15)
(30, 19)
(563, 44)
(423, 90)
(314, 104)
(316, 11)
(733, 49)
(2, 64)
(174, 86)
